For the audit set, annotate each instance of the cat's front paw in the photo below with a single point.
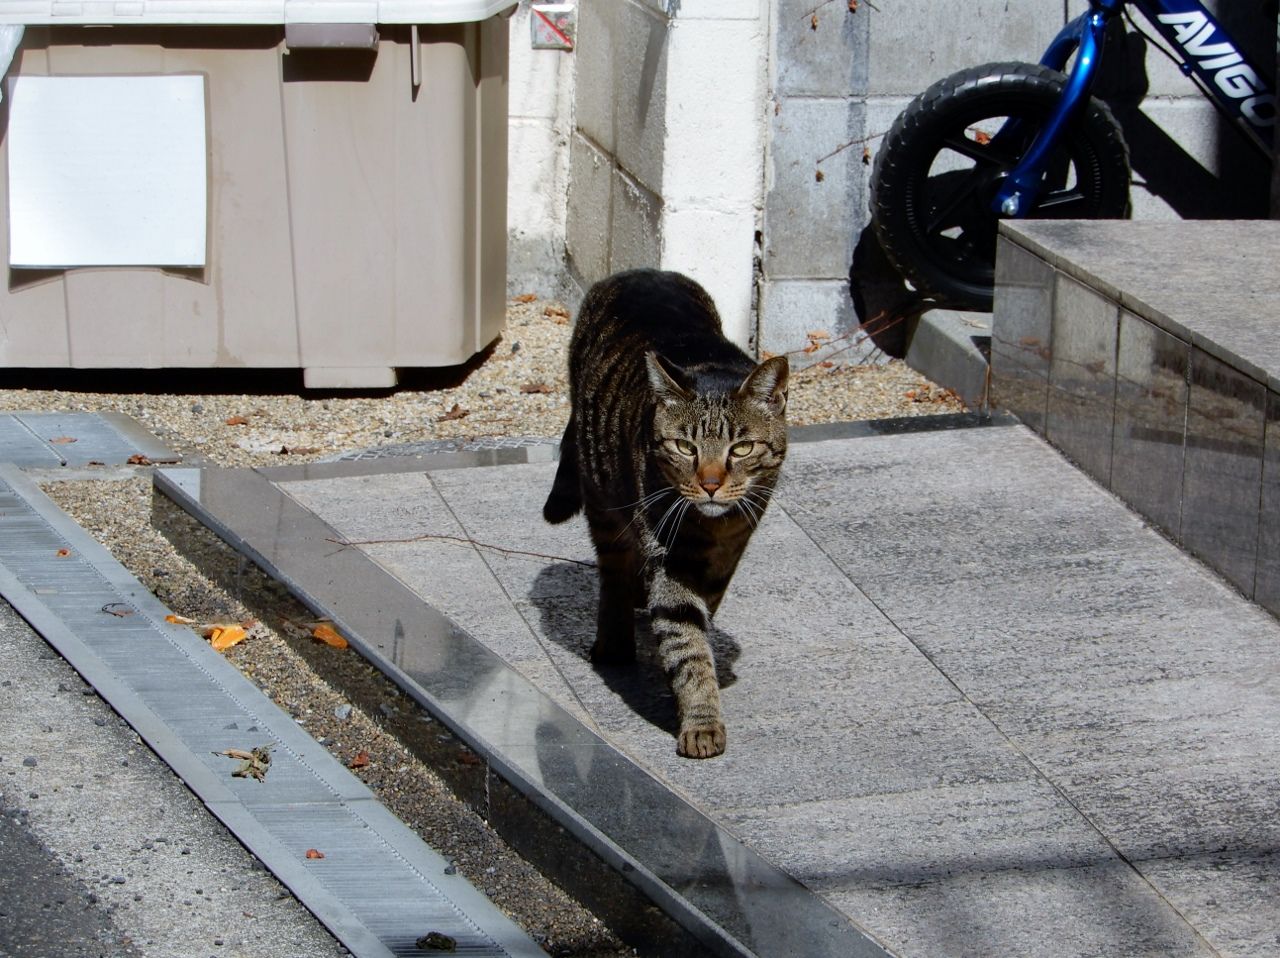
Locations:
(701, 741)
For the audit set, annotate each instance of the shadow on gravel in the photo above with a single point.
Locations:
(231, 382)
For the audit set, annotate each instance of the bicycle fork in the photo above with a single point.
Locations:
(1083, 36)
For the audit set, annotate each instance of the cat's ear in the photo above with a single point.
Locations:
(666, 380)
(767, 384)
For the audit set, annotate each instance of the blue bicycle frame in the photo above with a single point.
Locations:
(1208, 56)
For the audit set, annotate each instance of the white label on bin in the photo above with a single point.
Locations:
(107, 171)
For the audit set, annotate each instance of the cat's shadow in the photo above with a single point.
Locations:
(565, 597)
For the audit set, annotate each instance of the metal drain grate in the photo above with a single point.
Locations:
(48, 440)
(378, 888)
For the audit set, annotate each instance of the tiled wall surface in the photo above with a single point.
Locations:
(1182, 435)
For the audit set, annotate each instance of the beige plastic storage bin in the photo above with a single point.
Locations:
(356, 198)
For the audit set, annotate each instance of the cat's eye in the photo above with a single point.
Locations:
(740, 449)
(685, 447)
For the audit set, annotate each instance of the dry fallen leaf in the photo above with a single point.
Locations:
(138, 459)
(556, 312)
(526, 297)
(314, 853)
(457, 412)
(360, 761)
(63, 440)
(326, 634)
(819, 176)
(179, 619)
(237, 421)
(252, 764)
(436, 941)
(63, 553)
(222, 637)
(538, 387)
(982, 138)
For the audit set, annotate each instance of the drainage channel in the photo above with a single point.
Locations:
(379, 889)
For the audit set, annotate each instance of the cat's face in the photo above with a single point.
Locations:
(720, 451)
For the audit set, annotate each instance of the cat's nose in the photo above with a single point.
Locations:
(710, 485)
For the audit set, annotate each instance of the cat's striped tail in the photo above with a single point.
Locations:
(565, 500)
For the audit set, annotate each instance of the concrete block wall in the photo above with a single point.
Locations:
(726, 138)
(838, 78)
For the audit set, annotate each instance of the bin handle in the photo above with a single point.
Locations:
(415, 58)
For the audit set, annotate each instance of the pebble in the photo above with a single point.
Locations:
(342, 712)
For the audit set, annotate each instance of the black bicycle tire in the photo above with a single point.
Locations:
(897, 162)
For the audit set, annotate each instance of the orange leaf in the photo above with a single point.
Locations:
(223, 637)
(556, 312)
(981, 138)
(237, 421)
(314, 853)
(538, 387)
(62, 440)
(138, 459)
(328, 636)
(526, 297)
(457, 412)
(63, 553)
(179, 619)
(360, 761)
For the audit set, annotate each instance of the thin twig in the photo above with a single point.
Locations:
(861, 141)
(426, 536)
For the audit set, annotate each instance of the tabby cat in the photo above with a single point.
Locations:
(673, 447)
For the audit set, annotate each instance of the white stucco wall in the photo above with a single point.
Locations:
(667, 151)
(540, 98)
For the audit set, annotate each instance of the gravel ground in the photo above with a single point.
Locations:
(517, 389)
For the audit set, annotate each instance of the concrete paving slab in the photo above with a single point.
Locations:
(974, 703)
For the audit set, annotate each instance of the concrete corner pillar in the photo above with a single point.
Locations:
(666, 165)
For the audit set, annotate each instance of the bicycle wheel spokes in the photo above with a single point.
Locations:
(937, 173)
(945, 212)
(1064, 204)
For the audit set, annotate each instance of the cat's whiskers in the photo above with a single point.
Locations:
(676, 509)
(645, 501)
(639, 506)
(753, 502)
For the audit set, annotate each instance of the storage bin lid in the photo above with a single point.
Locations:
(224, 12)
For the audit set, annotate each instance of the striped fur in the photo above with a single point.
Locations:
(673, 448)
